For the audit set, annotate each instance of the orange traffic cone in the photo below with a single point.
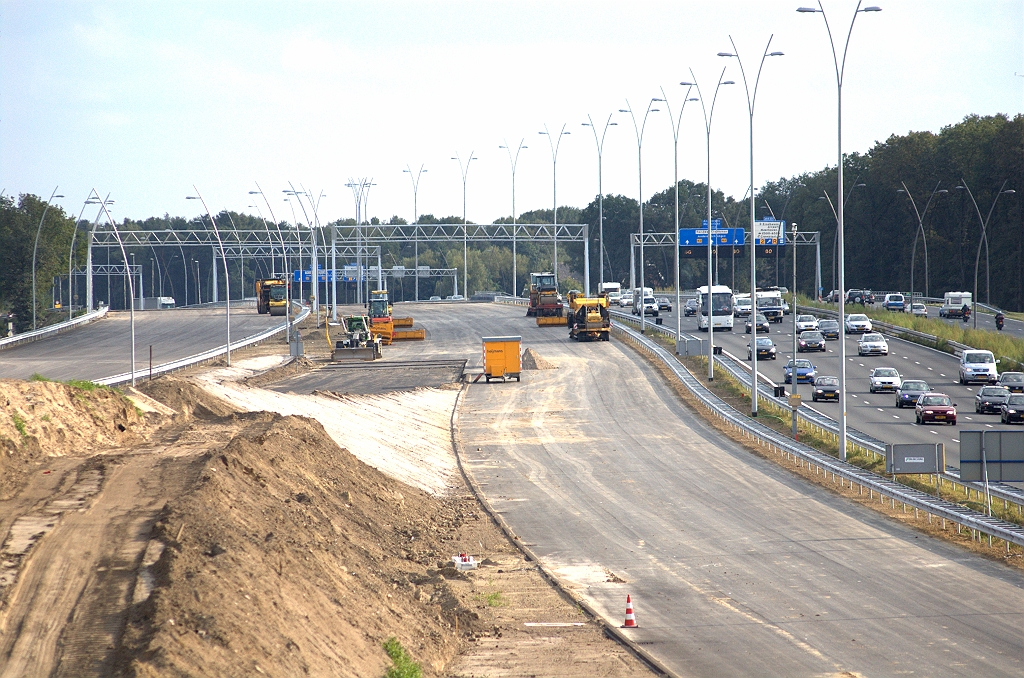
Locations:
(630, 617)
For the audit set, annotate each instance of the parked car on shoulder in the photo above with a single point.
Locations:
(935, 407)
(857, 323)
(805, 371)
(690, 308)
(909, 391)
(919, 310)
(825, 388)
(1013, 381)
(872, 344)
(760, 321)
(884, 379)
(811, 340)
(765, 349)
(829, 328)
(1012, 412)
(806, 322)
(990, 399)
(664, 304)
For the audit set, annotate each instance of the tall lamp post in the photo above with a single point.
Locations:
(751, 102)
(708, 115)
(835, 236)
(284, 255)
(464, 169)
(514, 161)
(554, 188)
(314, 281)
(600, 194)
(794, 373)
(416, 220)
(36, 249)
(840, 66)
(920, 231)
(131, 281)
(983, 239)
(675, 124)
(71, 252)
(639, 131)
(227, 278)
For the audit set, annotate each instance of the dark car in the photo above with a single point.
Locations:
(990, 399)
(829, 328)
(765, 349)
(856, 297)
(690, 308)
(760, 320)
(1013, 410)
(811, 340)
(1013, 381)
(909, 391)
(935, 407)
(664, 304)
(825, 388)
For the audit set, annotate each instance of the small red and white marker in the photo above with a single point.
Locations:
(630, 617)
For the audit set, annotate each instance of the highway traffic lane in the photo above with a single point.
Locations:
(736, 566)
(986, 321)
(103, 348)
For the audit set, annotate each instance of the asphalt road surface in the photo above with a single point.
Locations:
(875, 414)
(736, 567)
(103, 348)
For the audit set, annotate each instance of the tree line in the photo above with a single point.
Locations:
(982, 154)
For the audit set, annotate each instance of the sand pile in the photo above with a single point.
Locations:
(40, 419)
(534, 361)
(186, 398)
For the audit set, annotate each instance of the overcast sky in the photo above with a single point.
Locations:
(145, 99)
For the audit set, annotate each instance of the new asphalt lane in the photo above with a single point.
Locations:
(103, 348)
(735, 566)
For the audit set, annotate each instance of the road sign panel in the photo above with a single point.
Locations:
(769, 232)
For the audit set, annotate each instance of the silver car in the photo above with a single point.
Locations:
(885, 379)
(806, 322)
(857, 323)
(872, 344)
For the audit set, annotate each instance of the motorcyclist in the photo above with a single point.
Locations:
(966, 312)
(1000, 319)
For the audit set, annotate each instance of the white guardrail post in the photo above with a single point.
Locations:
(44, 332)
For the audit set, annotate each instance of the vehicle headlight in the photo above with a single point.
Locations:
(820, 391)
(929, 412)
(1012, 411)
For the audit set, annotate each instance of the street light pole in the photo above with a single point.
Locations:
(920, 231)
(514, 161)
(840, 67)
(284, 256)
(639, 131)
(751, 102)
(554, 145)
(36, 249)
(465, 227)
(708, 115)
(227, 278)
(793, 372)
(415, 220)
(835, 236)
(131, 282)
(984, 238)
(71, 253)
(600, 195)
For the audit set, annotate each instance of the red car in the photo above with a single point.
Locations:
(935, 407)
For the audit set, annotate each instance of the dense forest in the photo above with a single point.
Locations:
(981, 157)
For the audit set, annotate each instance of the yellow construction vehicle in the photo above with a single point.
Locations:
(271, 296)
(588, 318)
(357, 341)
(544, 299)
(384, 324)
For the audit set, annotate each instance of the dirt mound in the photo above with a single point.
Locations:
(534, 361)
(292, 557)
(40, 419)
(298, 365)
(186, 398)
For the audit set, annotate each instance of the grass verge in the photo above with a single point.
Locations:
(402, 664)
(19, 424)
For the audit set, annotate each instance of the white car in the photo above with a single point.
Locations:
(978, 365)
(872, 344)
(806, 322)
(919, 310)
(625, 301)
(742, 307)
(857, 323)
(885, 379)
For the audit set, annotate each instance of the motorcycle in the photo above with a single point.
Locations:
(999, 322)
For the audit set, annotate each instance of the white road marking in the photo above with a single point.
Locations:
(929, 368)
(940, 373)
(880, 409)
(917, 362)
(955, 440)
(969, 418)
(933, 433)
(989, 425)
(895, 416)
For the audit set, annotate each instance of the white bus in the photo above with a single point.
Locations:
(722, 304)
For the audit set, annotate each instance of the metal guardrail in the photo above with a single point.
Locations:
(43, 332)
(826, 424)
(191, 360)
(1008, 532)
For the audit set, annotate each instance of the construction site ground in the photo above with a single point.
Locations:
(269, 518)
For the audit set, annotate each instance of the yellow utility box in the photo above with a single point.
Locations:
(502, 357)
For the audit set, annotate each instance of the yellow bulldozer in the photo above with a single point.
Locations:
(271, 296)
(588, 318)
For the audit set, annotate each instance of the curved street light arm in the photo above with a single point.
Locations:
(36, 249)
(227, 276)
(131, 281)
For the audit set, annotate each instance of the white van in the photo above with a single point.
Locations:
(894, 302)
(978, 365)
(953, 303)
